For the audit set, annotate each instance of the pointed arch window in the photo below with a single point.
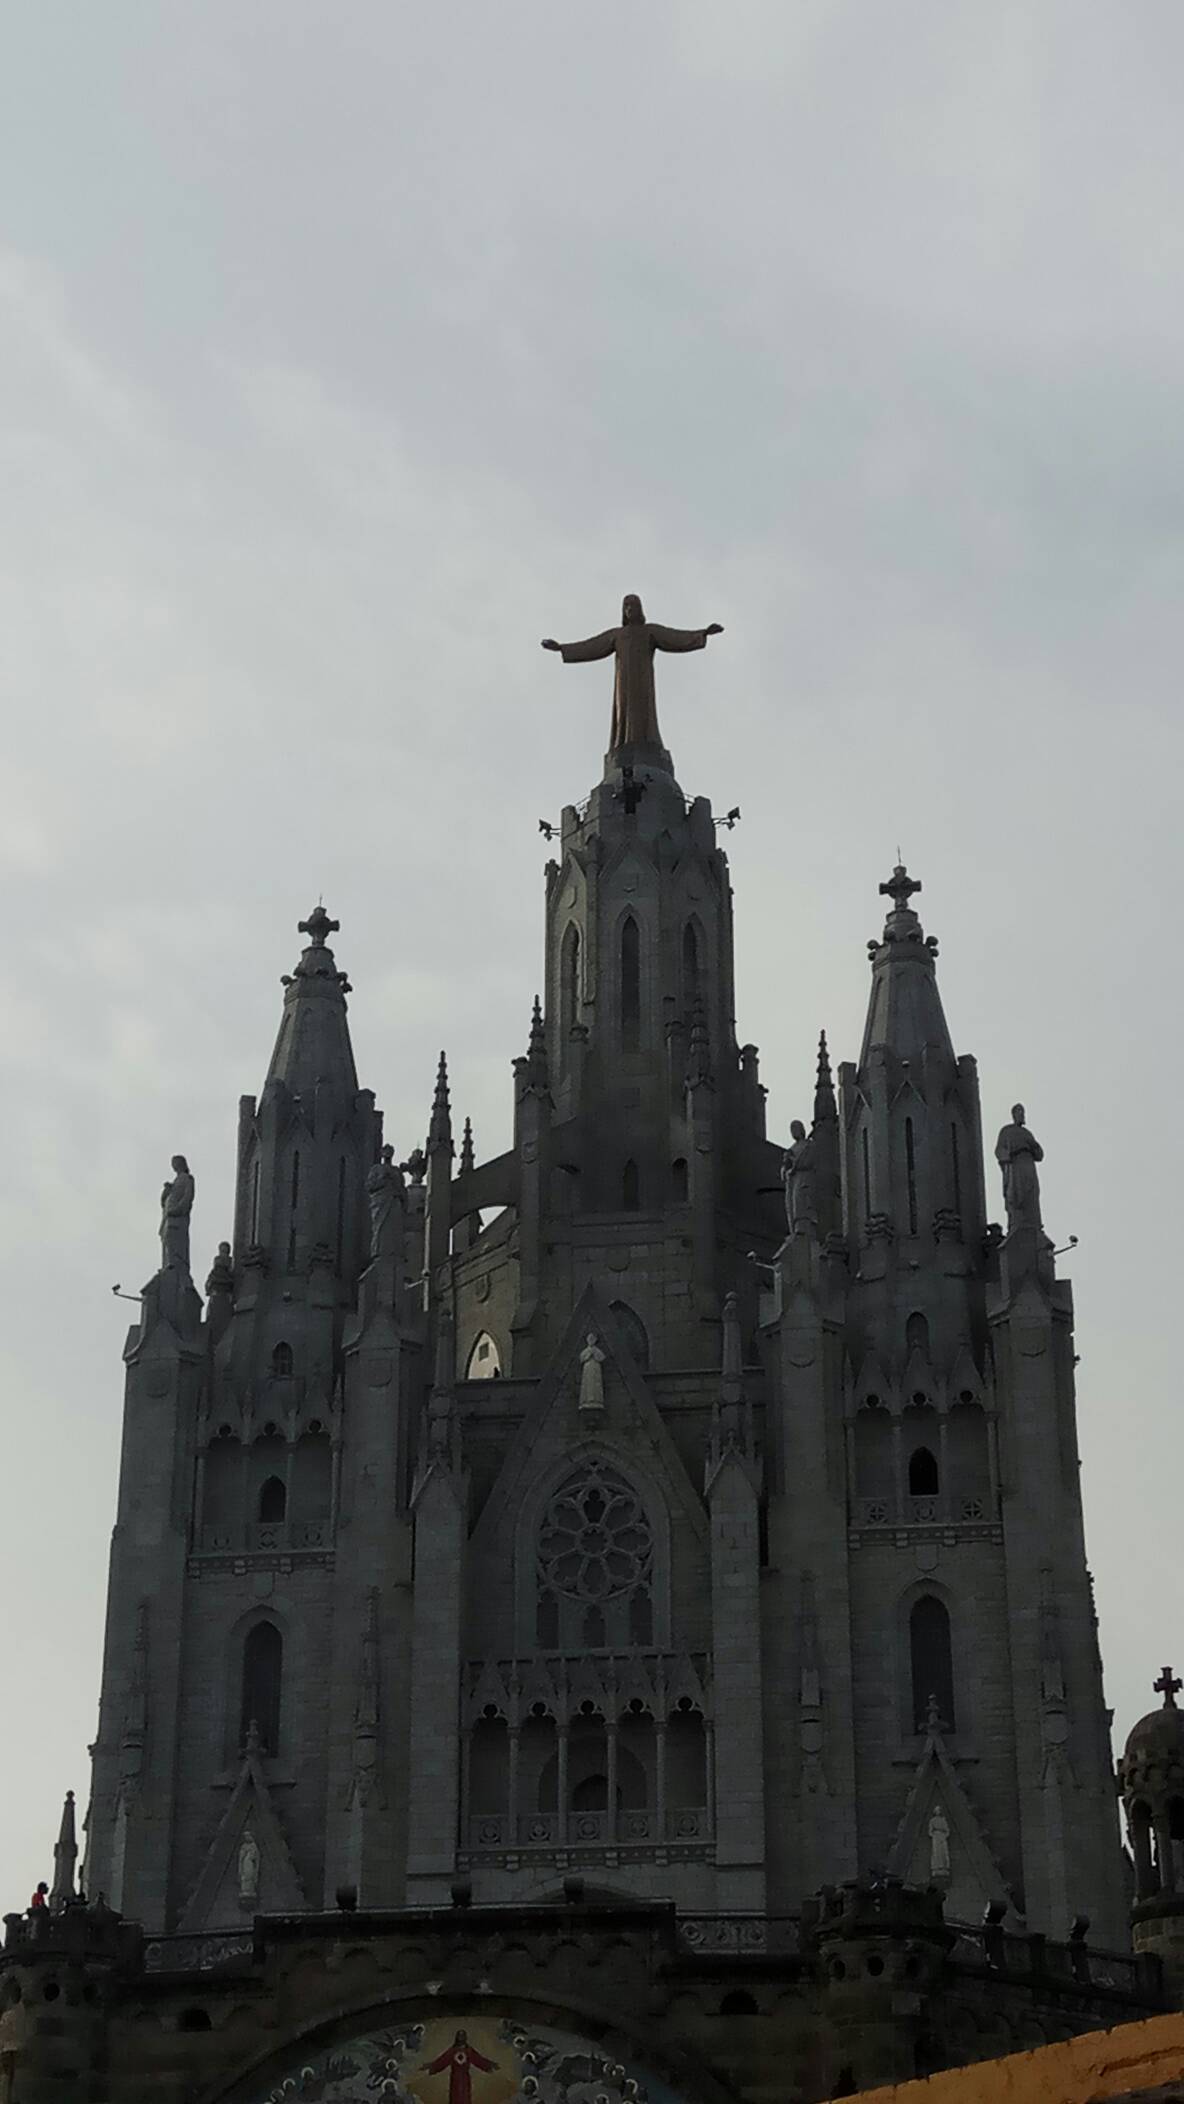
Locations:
(273, 1500)
(630, 1188)
(679, 1181)
(633, 1330)
(691, 987)
(569, 976)
(916, 1334)
(630, 990)
(485, 1360)
(340, 1243)
(281, 1362)
(295, 1204)
(923, 1475)
(595, 1564)
(910, 1160)
(263, 1665)
(931, 1658)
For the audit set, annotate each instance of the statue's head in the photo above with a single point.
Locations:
(461, 2039)
(180, 1165)
(631, 608)
(797, 1130)
(591, 1339)
(1019, 1114)
(223, 1249)
(388, 1154)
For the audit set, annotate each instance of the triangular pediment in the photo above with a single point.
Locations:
(941, 1842)
(556, 1427)
(223, 1897)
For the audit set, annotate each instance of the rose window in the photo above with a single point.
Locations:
(595, 1563)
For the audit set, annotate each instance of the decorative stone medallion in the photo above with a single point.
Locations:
(469, 2059)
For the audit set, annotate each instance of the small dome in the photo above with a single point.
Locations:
(1157, 1740)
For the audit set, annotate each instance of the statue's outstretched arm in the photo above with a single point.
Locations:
(682, 638)
(579, 653)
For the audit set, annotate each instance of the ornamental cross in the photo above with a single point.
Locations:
(1168, 1687)
(318, 926)
(900, 887)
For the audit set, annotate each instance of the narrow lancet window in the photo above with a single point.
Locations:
(956, 1166)
(295, 1203)
(630, 986)
(932, 1660)
(263, 1659)
(867, 1177)
(569, 1004)
(341, 1214)
(631, 1188)
(690, 967)
(910, 1156)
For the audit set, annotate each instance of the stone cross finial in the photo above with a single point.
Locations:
(1168, 1686)
(900, 887)
(318, 926)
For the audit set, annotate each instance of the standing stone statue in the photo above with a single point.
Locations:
(248, 1868)
(176, 1204)
(635, 711)
(384, 1191)
(939, 1847)
(221, 1278)
(1017, 1153)
(592, 1374)
(798, 1167)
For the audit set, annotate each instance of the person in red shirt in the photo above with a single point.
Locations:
(40, 1897)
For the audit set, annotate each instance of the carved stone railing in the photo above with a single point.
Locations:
(740, 1935)
(1072, 1964)
(543, 1830)
(210, 1953)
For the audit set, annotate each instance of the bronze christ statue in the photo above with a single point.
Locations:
(635, 711)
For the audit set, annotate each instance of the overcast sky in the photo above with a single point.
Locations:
(347, 350)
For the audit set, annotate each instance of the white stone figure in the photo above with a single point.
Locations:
(799, 1178)
(939, 1847)
(176, 1204)
(248, 1868)
(1017, 1154)
(591, 1374)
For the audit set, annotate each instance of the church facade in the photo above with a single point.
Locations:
(619, 1607)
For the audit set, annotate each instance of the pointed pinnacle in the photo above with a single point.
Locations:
(699, 1057)
(536, 1051)
(65, 1855)
(824, 1089)
(440, 1128)
(467, 1157)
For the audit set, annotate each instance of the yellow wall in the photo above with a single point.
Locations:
(1097, 2065)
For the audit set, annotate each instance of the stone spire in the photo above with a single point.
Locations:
(467, 1156)
(440, 1126)
(825, 1107)
(905, 1014)
(65, 1855)
(313, 1043)
(536, 1050)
